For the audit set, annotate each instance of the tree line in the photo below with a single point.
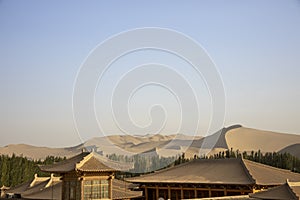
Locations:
(144, 162)
(15, 170)
(151, 163)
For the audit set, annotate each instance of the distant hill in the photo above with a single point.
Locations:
(236, 137)
(34, 152)
(293, 149)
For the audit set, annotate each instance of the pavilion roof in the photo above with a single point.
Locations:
(86, 162)
(38, 187)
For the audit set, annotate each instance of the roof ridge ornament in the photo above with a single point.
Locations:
(85, 158)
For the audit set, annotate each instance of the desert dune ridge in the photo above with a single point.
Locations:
(235, 137)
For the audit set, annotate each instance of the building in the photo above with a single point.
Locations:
(38, 188)
(85, 176)
(91, 176)
(211, 178)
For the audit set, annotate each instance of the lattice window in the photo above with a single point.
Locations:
(96, 189)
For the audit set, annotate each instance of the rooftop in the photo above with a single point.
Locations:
(287, 191)
(87, 162)
(220, 171)
(39, 187)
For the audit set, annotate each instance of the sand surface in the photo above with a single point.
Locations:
(241, 138)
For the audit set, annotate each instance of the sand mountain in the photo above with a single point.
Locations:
(293, 149)
(236, 137)
(248, 139)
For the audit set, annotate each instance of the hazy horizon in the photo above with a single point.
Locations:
(255, 46)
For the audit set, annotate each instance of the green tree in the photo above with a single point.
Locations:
(5, 171)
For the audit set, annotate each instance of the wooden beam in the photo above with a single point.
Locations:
(157, 191)
(110, 189)
(169, 192)
(146, 192)
(63, 190)
(181, 192)
(81, 192)
(198, 189)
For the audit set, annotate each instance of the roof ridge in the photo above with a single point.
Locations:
(4, 187)
(84, 160)
(291, 189)
(105, 159)
(249, 175)
(30, 189)
(108, 164)
(66, 161)
(37, 179)
(293, 184)
(268, 166)
(53, 180)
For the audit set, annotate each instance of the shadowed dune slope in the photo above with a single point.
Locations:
(293, 149)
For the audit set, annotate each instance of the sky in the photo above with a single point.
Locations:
(255, 46)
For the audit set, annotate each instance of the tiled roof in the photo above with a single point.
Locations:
(39, 188)
(121, 190)
(97, 163)
(267, 175)
(220, 171)
(86, 161)
(53, 192)
(20, 188)
(287, 191)
(64, 166)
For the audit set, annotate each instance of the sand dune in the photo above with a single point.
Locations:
(34, 152)
(236, 137)
(293, 149)
(247, 139)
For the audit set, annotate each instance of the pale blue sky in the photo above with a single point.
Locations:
(255, 45)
